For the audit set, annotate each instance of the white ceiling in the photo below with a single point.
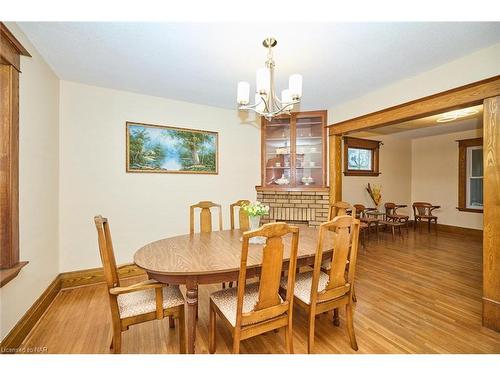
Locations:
(202, 62)
(428, 126)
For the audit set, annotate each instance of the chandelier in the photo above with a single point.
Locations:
(267, 103)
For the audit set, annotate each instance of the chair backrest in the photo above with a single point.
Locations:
(269, 303)
(390, 208)
(205, 216)
(339, 209)
(243, 217)
(106, 252)
(345, 242)
(421, 208)
(360, 210)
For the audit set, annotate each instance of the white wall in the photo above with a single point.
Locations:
(435, 177)
(38, 186)
(474, 67)
(147, 206)
(395, 177)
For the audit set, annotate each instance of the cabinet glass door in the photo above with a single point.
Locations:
(309, 151)
(277, 153)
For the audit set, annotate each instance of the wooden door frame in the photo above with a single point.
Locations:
(486, 92)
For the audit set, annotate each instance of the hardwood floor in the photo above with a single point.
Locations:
(421, 294)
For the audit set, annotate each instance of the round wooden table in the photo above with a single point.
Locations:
(210, 258)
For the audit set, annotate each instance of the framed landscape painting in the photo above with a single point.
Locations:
(167, 149)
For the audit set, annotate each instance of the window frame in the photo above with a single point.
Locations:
(10, 63)
(365, 144)
(463, 172)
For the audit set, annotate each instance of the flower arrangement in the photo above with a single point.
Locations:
(375, 194)
(255, 209)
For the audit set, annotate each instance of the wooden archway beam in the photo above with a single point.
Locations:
(460, 97)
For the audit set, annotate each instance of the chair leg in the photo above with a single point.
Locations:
(116, 343)
(289, 338)
(354, 299)
(182, 332)
(236, 342)
(171, 322)
(310, 337)
(350, 326)
(392, 230)
(336, 319)
(211, 329)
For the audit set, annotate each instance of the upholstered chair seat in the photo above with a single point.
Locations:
(227, 299)
(303, 284)
(144, 301)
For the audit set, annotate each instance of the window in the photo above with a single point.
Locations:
(470, 175)
(361, 157)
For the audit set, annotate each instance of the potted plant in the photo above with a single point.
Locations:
(255, 210)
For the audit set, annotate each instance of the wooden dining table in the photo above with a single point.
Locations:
(211, 258)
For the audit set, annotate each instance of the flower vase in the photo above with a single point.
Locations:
(254, 222)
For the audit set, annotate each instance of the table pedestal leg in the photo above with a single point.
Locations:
(192, 308)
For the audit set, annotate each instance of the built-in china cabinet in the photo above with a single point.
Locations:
(294, 151)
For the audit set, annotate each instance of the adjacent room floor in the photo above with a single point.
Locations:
(419, 294)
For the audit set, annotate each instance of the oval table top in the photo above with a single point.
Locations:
(212, 253)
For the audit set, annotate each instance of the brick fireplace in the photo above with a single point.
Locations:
(301, 207)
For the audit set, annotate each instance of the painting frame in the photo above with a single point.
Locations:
(130, 169)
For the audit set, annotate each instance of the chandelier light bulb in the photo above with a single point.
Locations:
(286, 97)
(263, 80)
(295, 85)
(243, 96)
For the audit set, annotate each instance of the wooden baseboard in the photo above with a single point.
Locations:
(17, 335)
(459, 230)
(491, 314)
(96, 275)
(62, 281)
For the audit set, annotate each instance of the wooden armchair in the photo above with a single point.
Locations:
(242, 217)
(392, 215)
(370, 221)
(138, 303)
(249, 310)
(317, 291)
(423, 211)
(205, 216)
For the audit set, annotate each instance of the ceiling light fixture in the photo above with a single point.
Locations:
(267, 103)
(454, 115)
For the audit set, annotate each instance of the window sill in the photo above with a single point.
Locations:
(464, 209)
(9, 274)
(361, 173)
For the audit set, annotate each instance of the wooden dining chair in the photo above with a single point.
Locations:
(205, 216)
(252, 309)
(423, 211)
(339, 209)
(242, 216)
(316, 291)
(137, 303)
